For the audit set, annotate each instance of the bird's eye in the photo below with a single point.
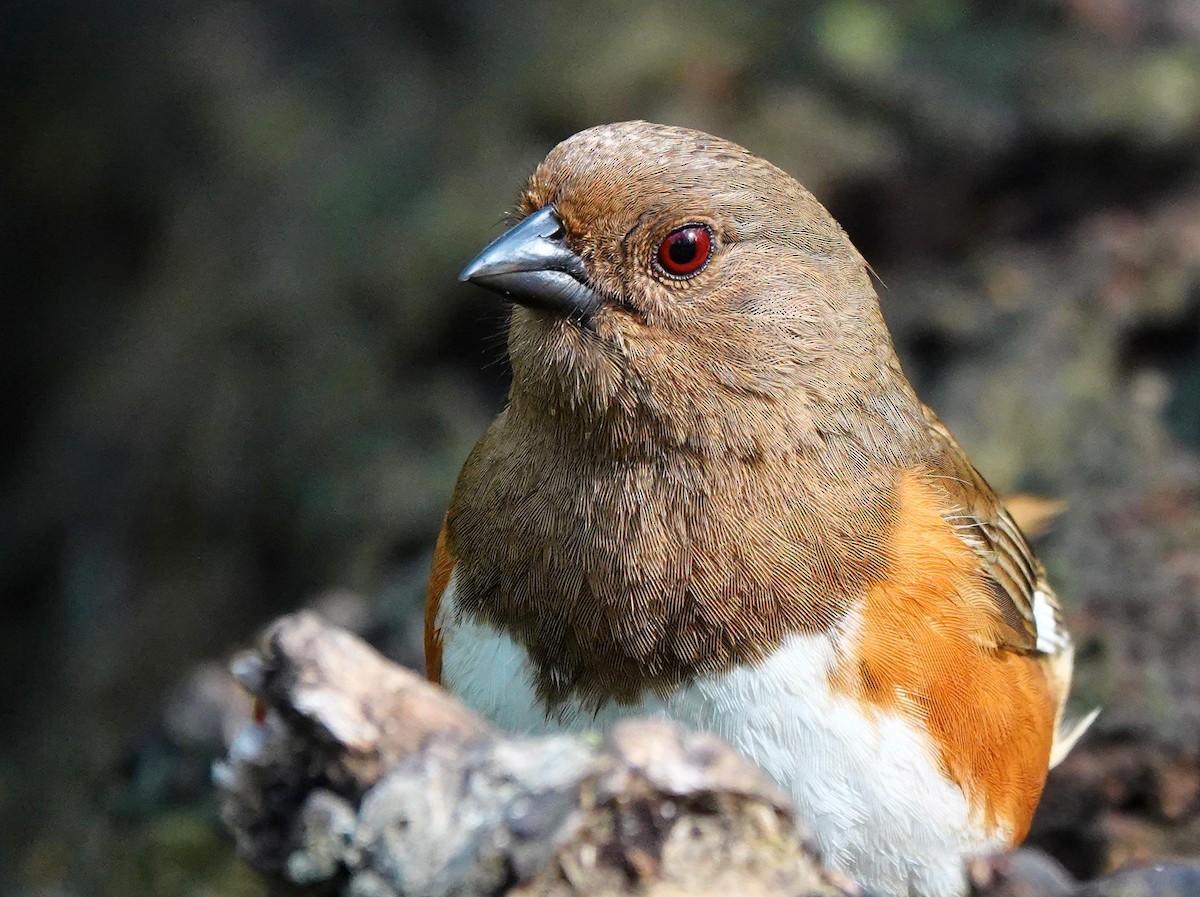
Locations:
(685, 250)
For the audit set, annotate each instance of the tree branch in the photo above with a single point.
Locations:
(364, 777)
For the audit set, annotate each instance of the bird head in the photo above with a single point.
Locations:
(671, 288)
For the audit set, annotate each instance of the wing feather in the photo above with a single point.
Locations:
(1030, 613)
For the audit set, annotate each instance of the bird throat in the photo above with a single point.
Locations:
(627, 575)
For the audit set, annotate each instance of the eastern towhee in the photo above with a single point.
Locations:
(714, 497)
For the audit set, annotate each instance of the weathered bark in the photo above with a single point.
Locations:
(364, 777)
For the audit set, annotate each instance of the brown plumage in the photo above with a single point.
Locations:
(694, 471)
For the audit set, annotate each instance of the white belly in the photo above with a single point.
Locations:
(868, 786)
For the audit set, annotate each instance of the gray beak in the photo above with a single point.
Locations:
(532, 266)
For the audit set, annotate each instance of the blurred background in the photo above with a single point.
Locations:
(242, 377)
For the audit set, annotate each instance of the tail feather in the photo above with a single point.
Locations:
(1067, 733)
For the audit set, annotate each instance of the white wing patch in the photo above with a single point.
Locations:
(1052, 638)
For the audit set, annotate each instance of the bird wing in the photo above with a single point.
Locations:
(1027, 609)
(1016, 578)
(439, 580)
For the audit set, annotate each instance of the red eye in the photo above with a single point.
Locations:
(686, 250)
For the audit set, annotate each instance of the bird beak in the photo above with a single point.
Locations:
(532, 266)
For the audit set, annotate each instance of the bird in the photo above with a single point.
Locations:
(714, 497)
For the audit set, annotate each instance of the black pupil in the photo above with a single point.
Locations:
(682, 250)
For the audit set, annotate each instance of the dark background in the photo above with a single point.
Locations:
(241, 376)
